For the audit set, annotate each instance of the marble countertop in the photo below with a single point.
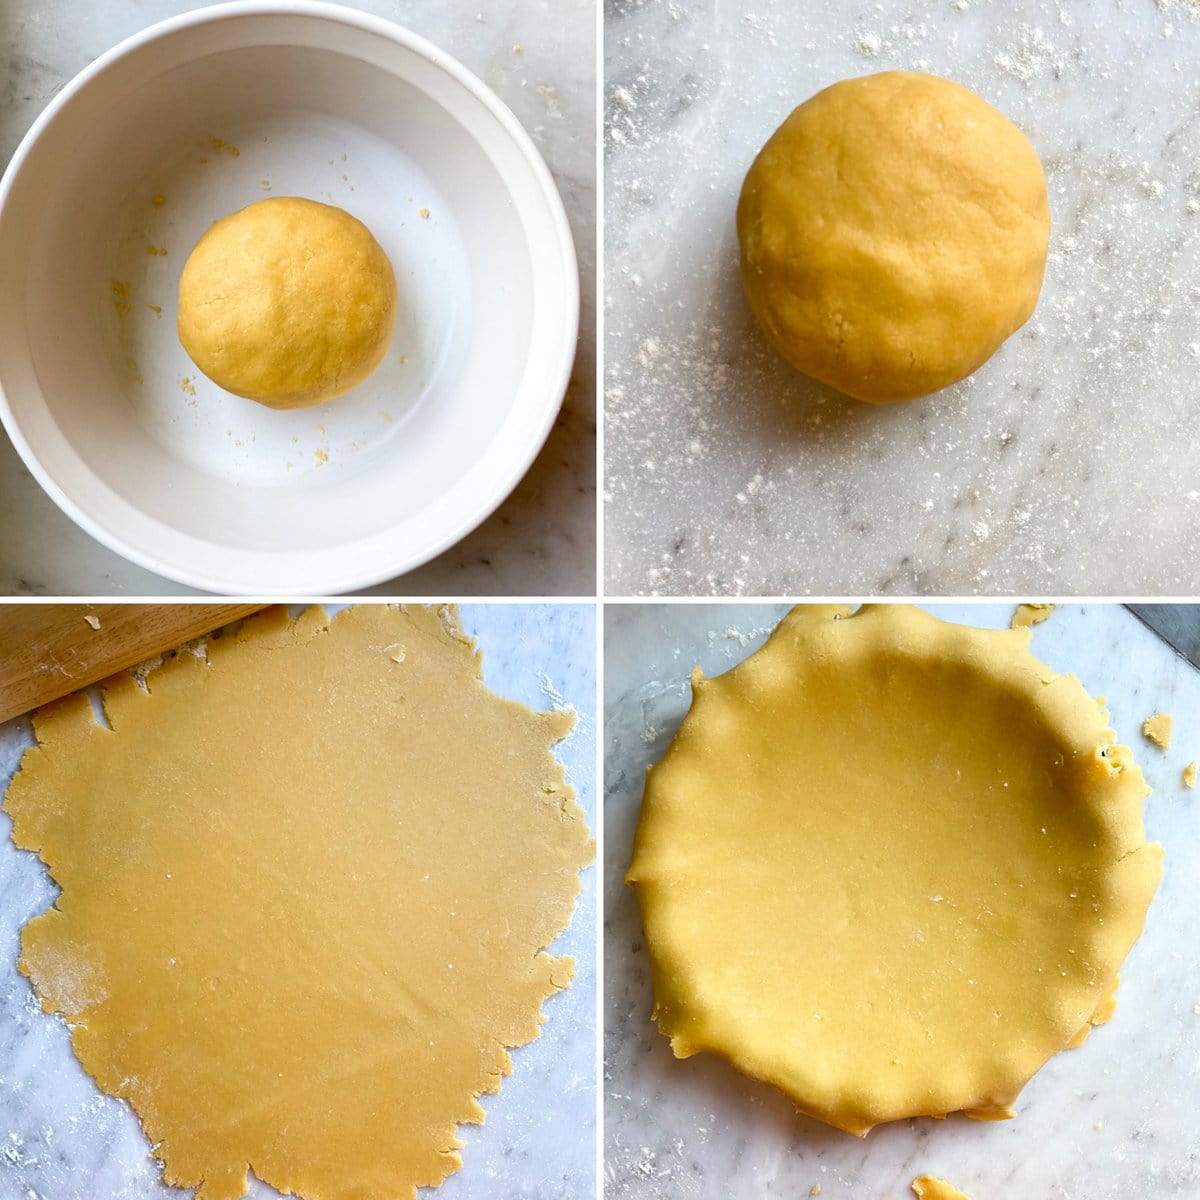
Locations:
(62, 1139)
(1115, 1118)
(539, 56)
(1067, 465)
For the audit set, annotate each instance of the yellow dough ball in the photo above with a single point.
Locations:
(893, 233)
(287, 302)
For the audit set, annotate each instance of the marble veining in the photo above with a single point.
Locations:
(1066, 465)
(62, 1139)
(540, 58)
(1113, 1119)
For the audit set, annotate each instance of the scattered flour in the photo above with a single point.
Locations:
(741, 637)
(1030, 56)
(553, 694)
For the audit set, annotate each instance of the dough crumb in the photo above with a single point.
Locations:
(928, 1187)
(424, 214)
(1189, 775)
(120, 295)
(1157, 729)
(93, 621)
(1030, 614)
(815, 1190)
(321, 456)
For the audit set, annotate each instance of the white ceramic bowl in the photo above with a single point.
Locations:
(208, 113)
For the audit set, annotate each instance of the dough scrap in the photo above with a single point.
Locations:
(1030, 614)
(929, 1187)
(306, 890)
(1157, 729)
(893, 233)
(889, 865)
(287, 302)
(1189, 775)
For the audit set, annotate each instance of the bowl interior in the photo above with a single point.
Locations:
(202, 485)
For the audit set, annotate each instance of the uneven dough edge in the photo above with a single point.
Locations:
(1117, 789)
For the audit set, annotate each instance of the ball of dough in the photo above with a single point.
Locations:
(893, 233)
(287, 302)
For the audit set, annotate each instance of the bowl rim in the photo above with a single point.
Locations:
(348, 581)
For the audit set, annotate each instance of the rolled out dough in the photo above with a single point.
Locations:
(306, 889)
(890, 865)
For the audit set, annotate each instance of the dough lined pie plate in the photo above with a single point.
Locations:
(891, 866)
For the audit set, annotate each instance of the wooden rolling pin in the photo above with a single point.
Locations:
(49, 650)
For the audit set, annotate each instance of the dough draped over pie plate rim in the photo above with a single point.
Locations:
(890, 865)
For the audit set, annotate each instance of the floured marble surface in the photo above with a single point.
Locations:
(1065, 465)
(1113, 1119)
(62, 1139)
